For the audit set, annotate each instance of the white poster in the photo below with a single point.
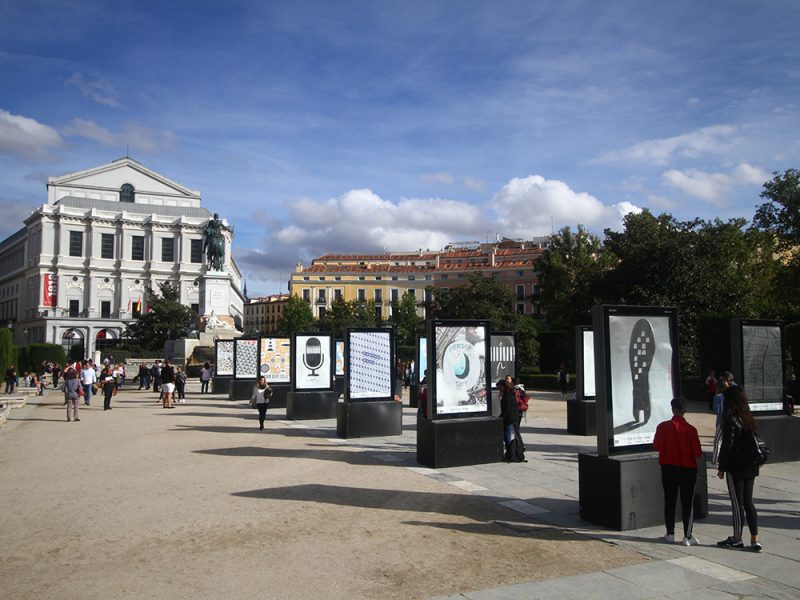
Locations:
(275, 356)
(370, 366)
(460, 369)
(588, 365)
(422, 359)
(640, 355)
(313, 362)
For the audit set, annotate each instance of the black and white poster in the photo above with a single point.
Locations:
(460, 384)
(503, 359)
(246, 359)
(641, 358)
(369, 359)
(762, 366)
(313, 362)
(223, 359)
(587, 366)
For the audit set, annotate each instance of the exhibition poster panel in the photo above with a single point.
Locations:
(460, 369)
(339, 358)
(224, 359)
(503, 357)
(312, 362)
(640, 356)
(246, 357)
(370, 365)
(276, 354)
(589, 390)
(422, 358)
(762, 366)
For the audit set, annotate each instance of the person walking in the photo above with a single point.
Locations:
(88, 379)
(678, 447)
(738, 467)
(56, 374)
(11, 379)
(155, 371)
(510, 415)
(167, 376)
(108, 383)
(563, 378)
(180, 385)
(205, 377)
(260, 399)
(71, 395)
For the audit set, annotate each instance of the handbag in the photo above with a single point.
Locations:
(760, 450)
(252, 402)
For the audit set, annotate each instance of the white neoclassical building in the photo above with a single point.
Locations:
(79, 271)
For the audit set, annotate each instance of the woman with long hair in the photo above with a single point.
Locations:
(737, 467)
(260, 399)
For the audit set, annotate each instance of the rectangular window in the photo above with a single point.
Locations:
(378, 315)
(412, 292)
(395, 295)
(167, 250)
(378, 295)
(107, 245)
(412, 277)
(444, 276)
(362, 295)
(137, 247)
(76, 243)
(307, 294)
(322, 311)
(521, 309)
(105, 309)
(195, 308)
(428, 295)
(337, 294)
(196, 251)
(520, 292)
(74, 308)
(320, 295)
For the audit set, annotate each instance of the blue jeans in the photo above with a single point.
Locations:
(87, 392)
(508, 433)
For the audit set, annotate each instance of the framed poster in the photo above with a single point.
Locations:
(339, 372)
(503, 357)
(422, 359)
(637, 374)
(275, 359)
(245, 358)
(312, 361)
(223, 358)
(458, 355)
(370, 356)
(584, 347)
(760, 363)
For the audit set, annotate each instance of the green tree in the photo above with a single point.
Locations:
(405, 319)
(486, 298)
(6, 350)
(343, 314)
(297, 317)
(167, 319)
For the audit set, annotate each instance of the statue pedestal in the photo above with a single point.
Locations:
(215, 295)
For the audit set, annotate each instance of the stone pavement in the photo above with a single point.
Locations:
(544, 490)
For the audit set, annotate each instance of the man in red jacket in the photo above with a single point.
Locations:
(678, 448)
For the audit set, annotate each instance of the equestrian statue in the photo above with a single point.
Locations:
(214, 244)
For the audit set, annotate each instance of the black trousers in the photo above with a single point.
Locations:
(262, 413)
(741, 493)
(677, 479)
(108, 392)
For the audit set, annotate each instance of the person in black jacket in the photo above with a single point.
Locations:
(737, 466)
(510, 415)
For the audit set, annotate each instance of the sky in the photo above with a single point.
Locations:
(371, 126)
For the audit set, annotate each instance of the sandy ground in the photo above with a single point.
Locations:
(195, 502)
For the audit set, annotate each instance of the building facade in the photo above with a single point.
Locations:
(264, 314)
(385, 278)
(79, 270)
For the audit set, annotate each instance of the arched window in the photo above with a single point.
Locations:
(126, 193)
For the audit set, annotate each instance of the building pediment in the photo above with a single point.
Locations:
(110, 178)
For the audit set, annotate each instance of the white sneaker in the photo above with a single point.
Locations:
(669, 538)
(690, 541)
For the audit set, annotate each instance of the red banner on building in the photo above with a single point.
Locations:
(50, 290)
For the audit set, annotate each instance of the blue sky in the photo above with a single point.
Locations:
(319, 127)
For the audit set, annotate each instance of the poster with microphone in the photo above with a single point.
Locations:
(313, 362)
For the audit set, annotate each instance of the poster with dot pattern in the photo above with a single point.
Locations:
(370, 364)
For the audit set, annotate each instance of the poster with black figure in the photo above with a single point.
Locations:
(636, 371)
(312, 362)
(503, 347)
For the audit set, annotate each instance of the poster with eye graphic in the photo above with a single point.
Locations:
(459, 356)
(339, 358)
(503, 357)
(369, 358)
(312, 362)
(275, 363)
(640, 374)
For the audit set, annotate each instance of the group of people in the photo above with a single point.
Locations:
(678, 447)
(405, 370)
(168, 381)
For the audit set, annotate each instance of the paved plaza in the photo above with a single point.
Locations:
(195, 502)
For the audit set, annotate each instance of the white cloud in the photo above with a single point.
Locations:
(24, 137)
(708, 140)
(439, 177)
(97, 90)
(90, 130)
(134, 136)
(714, 187)
(474, 184)
(534, 206)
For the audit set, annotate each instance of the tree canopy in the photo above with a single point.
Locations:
(297, 317)
(166, 319)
